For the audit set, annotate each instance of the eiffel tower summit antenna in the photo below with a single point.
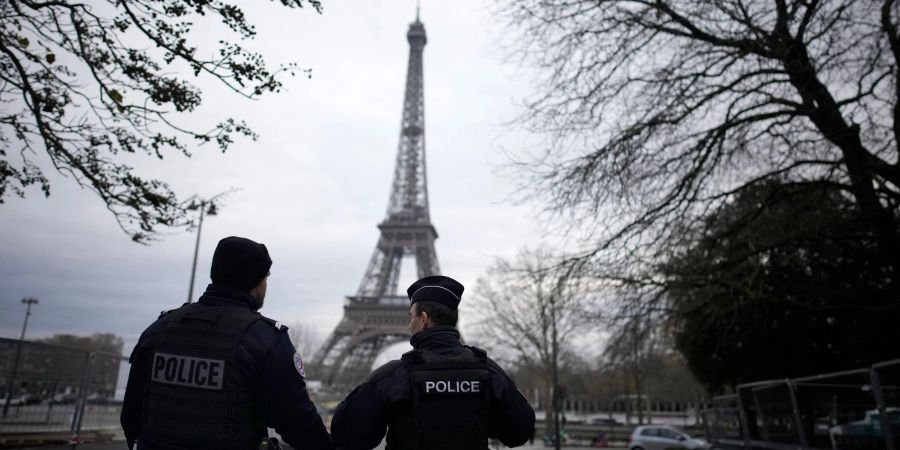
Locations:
(417, 10)
(376, 316)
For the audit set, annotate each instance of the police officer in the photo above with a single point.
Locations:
(215, 373)
(440, 395)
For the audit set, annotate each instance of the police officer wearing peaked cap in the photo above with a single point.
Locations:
(215, 373)
(440, 395)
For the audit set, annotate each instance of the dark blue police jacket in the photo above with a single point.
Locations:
(267, 351)
(361, 420)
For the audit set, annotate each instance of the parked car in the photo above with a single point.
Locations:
(866, 433)
(657, 437)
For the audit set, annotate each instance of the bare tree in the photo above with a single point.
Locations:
(531, 307)
(660, 111)
(635, 348)
(85, 82)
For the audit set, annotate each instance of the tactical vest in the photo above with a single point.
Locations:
(449, 406)
(194, 394)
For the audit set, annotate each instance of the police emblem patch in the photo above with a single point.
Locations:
(298, 363)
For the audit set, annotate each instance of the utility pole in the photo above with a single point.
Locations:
(28, 301)
(559, 294)
(202, 207)
(554, 349)
(207, 207)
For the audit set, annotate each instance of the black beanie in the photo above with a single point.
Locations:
(240, 263)
(436, 288)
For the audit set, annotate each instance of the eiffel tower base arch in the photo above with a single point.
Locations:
(346, 358)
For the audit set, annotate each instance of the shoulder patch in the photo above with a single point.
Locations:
(276, 324)
(298, 364)
(166, 312)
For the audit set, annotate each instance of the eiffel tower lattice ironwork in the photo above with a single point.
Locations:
(376, 316)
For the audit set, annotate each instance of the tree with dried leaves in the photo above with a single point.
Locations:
(782, 283)
(85, 82)
(661, 111)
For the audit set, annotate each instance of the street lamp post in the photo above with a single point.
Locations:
(205, 207)
(9, 385)
(554, 350)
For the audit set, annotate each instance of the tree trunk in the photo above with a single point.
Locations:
(825, 114)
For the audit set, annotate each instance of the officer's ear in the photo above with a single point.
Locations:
(426, 321)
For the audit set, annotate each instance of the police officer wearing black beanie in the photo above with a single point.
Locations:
(440, 395)
(215, 374)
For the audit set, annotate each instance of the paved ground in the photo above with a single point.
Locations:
(105, 419)
(122, 446)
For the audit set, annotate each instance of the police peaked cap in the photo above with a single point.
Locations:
(438, 289)
(240, 263)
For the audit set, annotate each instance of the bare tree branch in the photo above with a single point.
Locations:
(72, 87)
(660, 112)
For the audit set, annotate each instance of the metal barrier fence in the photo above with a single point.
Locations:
(855, 409)
(52, 391)
(722, 421)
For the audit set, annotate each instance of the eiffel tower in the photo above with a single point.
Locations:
(376, 316)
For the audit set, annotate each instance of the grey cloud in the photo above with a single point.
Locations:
(313, 188)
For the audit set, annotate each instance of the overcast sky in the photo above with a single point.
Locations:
(314, 186)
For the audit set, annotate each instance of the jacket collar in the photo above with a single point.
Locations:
(220, 295)
(435, 337)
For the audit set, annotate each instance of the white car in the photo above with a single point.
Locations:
(659, 437)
